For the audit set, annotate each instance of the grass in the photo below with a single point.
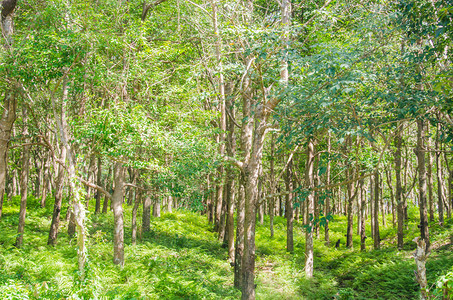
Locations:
(181, 258)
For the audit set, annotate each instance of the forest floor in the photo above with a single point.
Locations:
(181, 258)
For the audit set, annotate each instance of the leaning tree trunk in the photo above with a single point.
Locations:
(78, 207)
(23, 182)
(424, 231)
(59, 184)
(117, 205)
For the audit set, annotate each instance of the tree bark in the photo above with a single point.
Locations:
(239, 245)
(146, 216)
(376, 235)
(24, 172)
(399, 189)
(430, 182)
(310, 209)
(327, 206)
(156, 207)
(6, 125)
(134, 217)
(230, 186)
(424, 231)
(59, 184)
(222, 125)
(105, 204)
(97, 209)
(350, 225)
(117, 204)
(272, 191)
(362, 218)
(440, 194)
(289, 212)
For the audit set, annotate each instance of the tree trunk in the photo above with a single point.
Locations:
(146, 216)
(78, 208)
(430, 182)
(23, 181)
(440, 194)
(272, 190)
(399, 189)
(362, 218)
(117, 204)
(239, 245)
(6, 125)
(134, 217)
(310, 209)
(289, 213)
(97, 209)
(376, 235)
(424, 232)
(222, 124)
(327, 206)
(350, 226)
(392, 195)
(59, 184)
(105, 204)
(9, 106)
(156, 207)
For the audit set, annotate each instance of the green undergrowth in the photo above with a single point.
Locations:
(181, 258)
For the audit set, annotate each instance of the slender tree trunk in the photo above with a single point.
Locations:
(117, 205)
(272, 190)
(350, 226)
(376, 235)
(392, 195)
(134, 217)
(430, 182)
(97, 209)
(222, 124)
(363, 218)
(146, 216)
(327, 206)
(399, 189)
(246, 146)
(105, 204)
(59, 184)
(23, 181)
(289, 208)
(440, 194)
(422, 183)
(310, 209)
(239, 246)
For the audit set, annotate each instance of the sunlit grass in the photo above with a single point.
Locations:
(181, 258)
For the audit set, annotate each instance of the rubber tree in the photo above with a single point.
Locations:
(10, 99)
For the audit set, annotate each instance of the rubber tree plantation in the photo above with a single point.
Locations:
(235, 149)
